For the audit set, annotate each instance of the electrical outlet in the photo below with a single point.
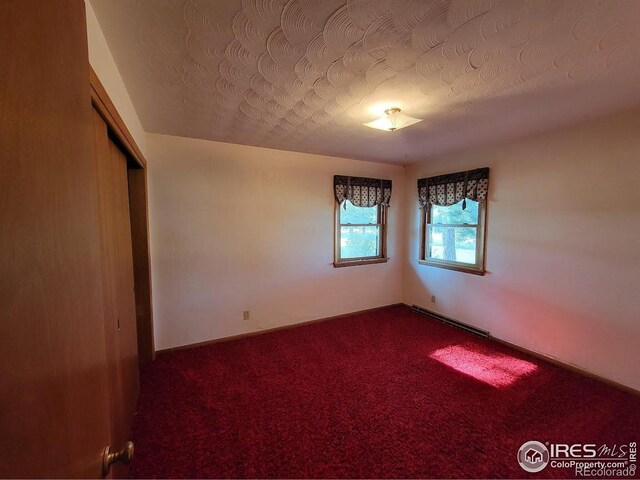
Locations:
(433, 299)
(246, 315)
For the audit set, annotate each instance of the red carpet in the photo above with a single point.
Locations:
(384, 394)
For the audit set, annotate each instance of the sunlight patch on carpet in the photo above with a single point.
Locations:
(497, 369)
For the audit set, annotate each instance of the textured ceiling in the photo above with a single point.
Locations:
(304, 75)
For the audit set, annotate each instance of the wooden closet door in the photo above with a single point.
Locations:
(118, 284)
(54, 412)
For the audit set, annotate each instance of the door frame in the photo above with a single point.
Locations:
(139, 214)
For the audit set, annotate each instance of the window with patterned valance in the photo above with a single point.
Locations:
(445, 190)
(453, 236)
(361, 191)
(360, 230)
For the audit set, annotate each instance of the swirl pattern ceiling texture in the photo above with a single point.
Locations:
(304, 75)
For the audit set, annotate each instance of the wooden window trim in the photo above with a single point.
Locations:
(354, 263)
(339, 262)
(479, 267)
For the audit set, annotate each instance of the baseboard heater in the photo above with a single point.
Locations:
(450, 321)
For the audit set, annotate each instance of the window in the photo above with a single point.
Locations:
(360, 234)
(360, 220)
(454, 238)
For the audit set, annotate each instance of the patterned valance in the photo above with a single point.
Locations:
(362, 192)
(448, 189)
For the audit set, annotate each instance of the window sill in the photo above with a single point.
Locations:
(458, 268)
(353, 263)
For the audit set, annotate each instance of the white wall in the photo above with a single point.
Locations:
(563, 249)
(237, 228)
(105, 67)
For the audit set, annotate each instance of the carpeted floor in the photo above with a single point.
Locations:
(383, 394)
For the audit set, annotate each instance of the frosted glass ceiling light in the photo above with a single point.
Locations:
(393, 119)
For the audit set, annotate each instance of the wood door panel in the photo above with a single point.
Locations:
(54, 414)
(141, 262)
(119, 300)
(106, 187)
(126, 321)
(137, 176)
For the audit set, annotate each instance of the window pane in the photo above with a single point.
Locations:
(454, 244)
(355, 214)
(455, 214)
(356, 242)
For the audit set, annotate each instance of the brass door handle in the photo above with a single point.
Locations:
(109, 458)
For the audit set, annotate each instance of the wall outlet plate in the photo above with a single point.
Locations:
(246, 315)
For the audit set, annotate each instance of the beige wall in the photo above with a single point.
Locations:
(563, 250)
(237, 228)
(105, 67)
(562, 241)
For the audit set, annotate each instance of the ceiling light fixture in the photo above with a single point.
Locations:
(393, 119)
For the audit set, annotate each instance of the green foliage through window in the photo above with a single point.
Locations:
(360, 231)
(452, 233)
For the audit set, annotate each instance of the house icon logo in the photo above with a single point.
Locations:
(533, 456)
